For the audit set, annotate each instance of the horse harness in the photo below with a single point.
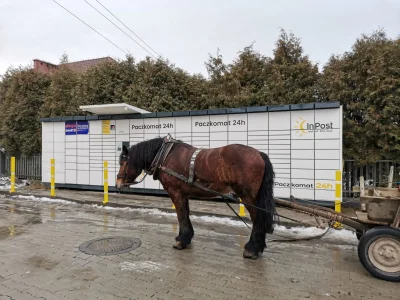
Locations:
(160, 158)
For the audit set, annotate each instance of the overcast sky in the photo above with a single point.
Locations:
(186, 31)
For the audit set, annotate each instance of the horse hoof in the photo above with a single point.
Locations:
(248, 254)
(179, 246)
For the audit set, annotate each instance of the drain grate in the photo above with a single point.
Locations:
(110, 245)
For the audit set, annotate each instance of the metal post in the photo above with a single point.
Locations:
(242, 212)
(53, 178)
(12, 167)
(338, 195)
(105, 182)
(391, 173)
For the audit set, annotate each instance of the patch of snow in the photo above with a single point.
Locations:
(157, 212)
(142, 266)
(342, 235)
(5, 183)
(45, 199)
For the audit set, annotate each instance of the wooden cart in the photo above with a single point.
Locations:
(377, 226)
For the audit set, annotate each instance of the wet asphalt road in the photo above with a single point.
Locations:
(40, 258)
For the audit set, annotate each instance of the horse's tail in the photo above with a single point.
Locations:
(265, 199)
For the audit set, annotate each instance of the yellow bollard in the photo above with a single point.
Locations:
(12, 167)
(338, 196)
(173, 206)
(53, 178)
(105, 182)
(242, 212)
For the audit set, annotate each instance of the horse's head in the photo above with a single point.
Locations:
(128, 170)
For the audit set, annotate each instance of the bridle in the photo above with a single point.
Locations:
(125, 173)
(153, 166)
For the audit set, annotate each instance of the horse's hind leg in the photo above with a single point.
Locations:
(257, 238)
(186, 231)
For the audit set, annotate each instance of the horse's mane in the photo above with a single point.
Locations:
(142, 154)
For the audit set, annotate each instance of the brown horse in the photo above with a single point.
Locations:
(235, 168)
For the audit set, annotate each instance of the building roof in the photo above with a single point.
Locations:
(113, 109)
(78, 66)
(83, 65)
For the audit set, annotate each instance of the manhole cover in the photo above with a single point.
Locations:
(110, 246)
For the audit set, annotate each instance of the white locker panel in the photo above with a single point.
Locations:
(122, 127)
(327, 164)
(111, 178)
(167, 126)
(302, 174)
(137, 128)
(70, 174)
(219, 123)
(302, 123)
(83, 160)
(71, 159)
(303, 164)
(46, 166)
(302, 154)
(122, 138)
(83, 177)
(324, 195)
(279, 121)
(306, 194)
(258, 122)
(96, 177)
(282, 187)
(95, 127)
(325, 174)
(151, 128)
(201, 124)
(237, 122)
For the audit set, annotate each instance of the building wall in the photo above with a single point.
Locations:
(43, 66)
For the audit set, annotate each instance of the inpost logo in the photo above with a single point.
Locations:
(300, 126)
(303, 127)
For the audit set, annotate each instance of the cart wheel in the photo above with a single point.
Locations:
(379, 252)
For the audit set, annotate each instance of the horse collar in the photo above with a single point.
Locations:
(161, 156)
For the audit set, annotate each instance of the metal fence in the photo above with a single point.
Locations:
(2, 162)
(30, 167)
(26, 167)
(375, 175)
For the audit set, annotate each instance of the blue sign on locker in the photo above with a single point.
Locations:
(70, 127)
(82, 127)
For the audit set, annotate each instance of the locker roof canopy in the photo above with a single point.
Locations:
(113, 109)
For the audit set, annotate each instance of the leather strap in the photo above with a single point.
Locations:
(191, 165)
(166, 149)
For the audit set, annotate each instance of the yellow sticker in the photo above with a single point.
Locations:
(106, 126)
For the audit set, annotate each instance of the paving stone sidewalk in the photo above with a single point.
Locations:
(43, 260)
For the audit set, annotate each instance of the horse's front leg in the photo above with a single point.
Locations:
(186, 231)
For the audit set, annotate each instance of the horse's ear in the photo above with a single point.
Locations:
(124, 150)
